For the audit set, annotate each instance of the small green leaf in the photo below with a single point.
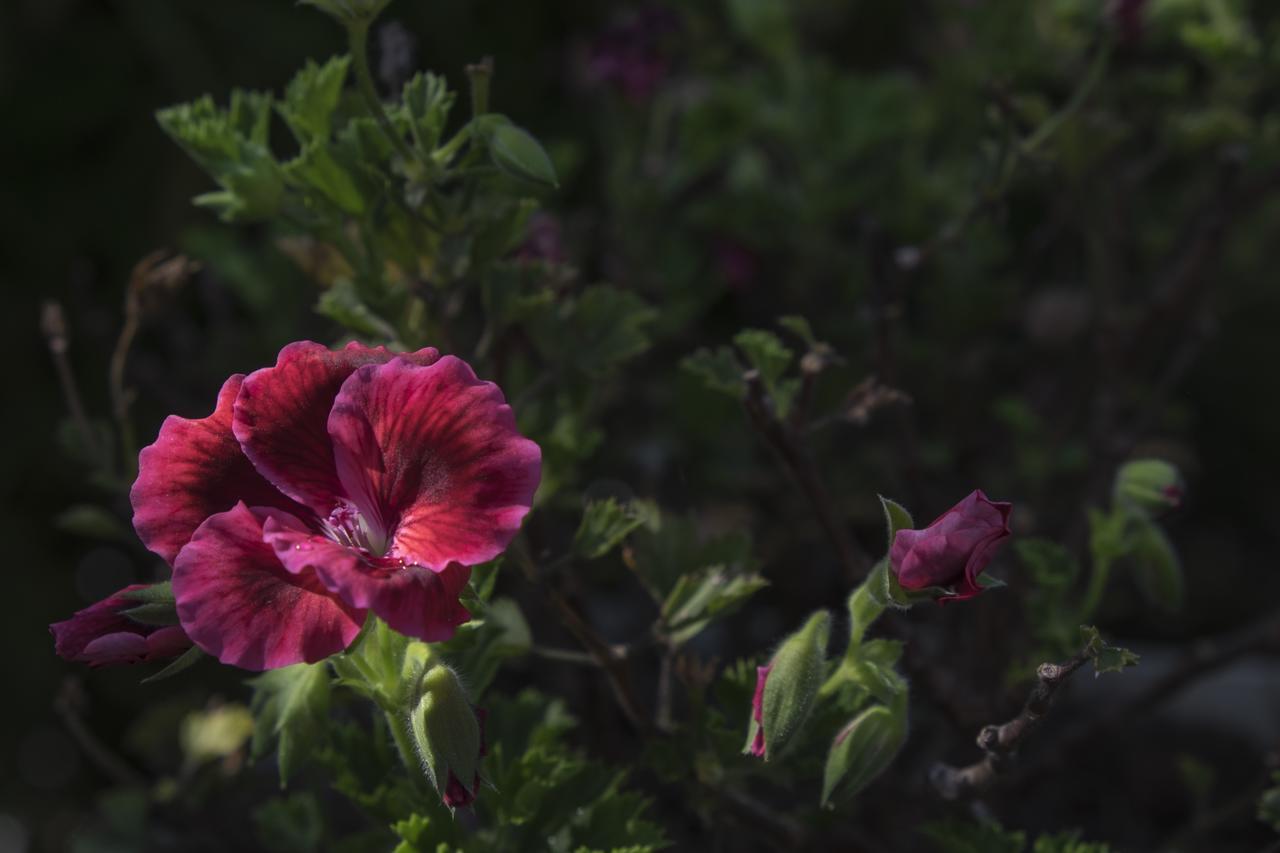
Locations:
(954, 836)
(181, 662)
(311, 98)
(702, 596)
(156, 593)
(1105, 658)
(291, 710)
(719, 369)
(605, 523)
(156, 613)
(800, 327)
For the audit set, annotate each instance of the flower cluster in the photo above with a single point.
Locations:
(328, 486)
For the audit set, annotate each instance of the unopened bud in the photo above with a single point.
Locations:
(1149, 486)
(862, 751)
(448, 735)
(787, 687)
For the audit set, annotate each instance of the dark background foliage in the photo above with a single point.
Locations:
(1109, 293)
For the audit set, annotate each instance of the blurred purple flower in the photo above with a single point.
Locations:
(735, 263)
(1127, 16)
(628, 55)
(543, 240)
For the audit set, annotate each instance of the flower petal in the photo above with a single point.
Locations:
(195, 469)
(239, 604)
(432, 459)
(282, 412)
(413, 600)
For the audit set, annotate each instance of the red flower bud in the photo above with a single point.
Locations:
(102, 635)
(953, 550)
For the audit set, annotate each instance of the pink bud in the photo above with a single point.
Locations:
(953, 550)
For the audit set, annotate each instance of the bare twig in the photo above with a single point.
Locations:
(1203, 657)
(605, 655)
(53, 323)
(1000, 742)
(785, 443)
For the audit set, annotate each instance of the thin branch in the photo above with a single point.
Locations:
(1203, 658)
(1000, 742)
(53, 324)
(602, 653)
(785, 443)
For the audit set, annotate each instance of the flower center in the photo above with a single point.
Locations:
(346, 526)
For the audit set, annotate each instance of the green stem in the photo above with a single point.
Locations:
(403, 738)
(1097, 585)
(357, 39)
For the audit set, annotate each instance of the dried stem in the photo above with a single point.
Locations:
(783, 439)
(1000, 742)
(602, 653)
(54, 325)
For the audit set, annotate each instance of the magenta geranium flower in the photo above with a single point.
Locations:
(102, 635)
(329, 485)
(953, 550)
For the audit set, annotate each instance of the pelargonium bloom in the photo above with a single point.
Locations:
(327, 486)
(102, 635)
(757, 745)
(953, 550)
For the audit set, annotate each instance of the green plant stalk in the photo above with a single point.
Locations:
(1097, 586)
(357, 40)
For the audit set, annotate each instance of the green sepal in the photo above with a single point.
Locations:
(291, 710)
(1105, 658)
(515, 151)
(182, 662)
(862, 750)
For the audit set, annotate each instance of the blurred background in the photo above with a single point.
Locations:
(1051, 225)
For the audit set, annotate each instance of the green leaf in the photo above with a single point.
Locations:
(1048, 563)
(341, 304)
(605, 523)
(1156, 565)
(182, 662)
(290, 710)
(1105, 658)
(516, 152)
(609, 326)
(665, 552)
(765, 352)
(156, 593)
(316, 171)
(800, 327)
(158, 614)
(700, 597)
(427, 101)
(311, 98)
(719, 369)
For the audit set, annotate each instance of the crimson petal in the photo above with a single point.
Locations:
(239, 604)
(433, 461)
(282, 412)
(413, 600)
(194, 469)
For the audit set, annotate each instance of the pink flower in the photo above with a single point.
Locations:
(102, 635)
(953, 550)
(757, 747)
(329, 485)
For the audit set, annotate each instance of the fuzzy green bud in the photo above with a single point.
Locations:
(787, 687)
(862, 750)
(1149, 486)
(448, 735)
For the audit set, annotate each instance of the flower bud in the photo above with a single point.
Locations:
(952, 551)
(1149, 486)
(106, 634)
(862, 751)
(786, 688)
(449, 736)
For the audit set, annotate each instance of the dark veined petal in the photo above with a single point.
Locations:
(195, 469)
(432, 459)
(413, 600)
(239, 604)
(282, 412)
